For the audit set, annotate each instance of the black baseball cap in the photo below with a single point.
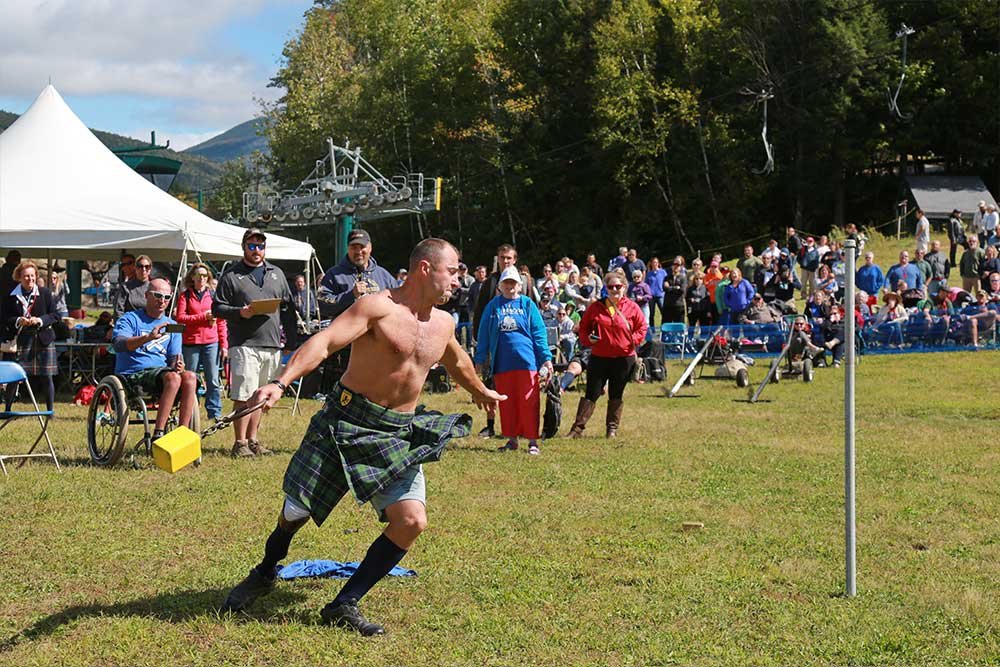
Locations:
(359, 236)
(253, 231)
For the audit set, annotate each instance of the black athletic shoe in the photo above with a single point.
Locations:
(487, 432)
(347, 615)
(243, 595)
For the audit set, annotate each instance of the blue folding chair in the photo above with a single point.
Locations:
(13, 373)
(673, 335)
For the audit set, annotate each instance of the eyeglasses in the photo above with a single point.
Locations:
(159, 295)
(144, 267)
(616, 287)
(201, 274)
(256, 246)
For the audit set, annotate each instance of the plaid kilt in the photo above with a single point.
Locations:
(34, 358)
(355, 445)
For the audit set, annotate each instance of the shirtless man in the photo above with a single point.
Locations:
(363, 432)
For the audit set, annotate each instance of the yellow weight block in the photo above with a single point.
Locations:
(177, 449)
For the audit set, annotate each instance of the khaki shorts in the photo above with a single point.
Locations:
(250, 368)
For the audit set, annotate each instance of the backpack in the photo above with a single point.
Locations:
(553, 410)
(654, 369)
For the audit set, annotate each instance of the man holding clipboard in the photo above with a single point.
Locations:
(254, 299)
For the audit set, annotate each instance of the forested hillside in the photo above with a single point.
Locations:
(570, 126)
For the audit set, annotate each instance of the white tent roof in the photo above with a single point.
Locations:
(62, 189)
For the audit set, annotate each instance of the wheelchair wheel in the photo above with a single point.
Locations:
(107, 424)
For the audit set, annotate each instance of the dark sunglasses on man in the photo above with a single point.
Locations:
(256, 247)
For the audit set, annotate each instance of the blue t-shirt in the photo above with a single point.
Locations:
(515, 351)
(153, 354)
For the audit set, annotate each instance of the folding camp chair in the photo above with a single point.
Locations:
(673, 335)
(13, 373)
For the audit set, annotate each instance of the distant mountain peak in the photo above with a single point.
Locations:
(234, 143)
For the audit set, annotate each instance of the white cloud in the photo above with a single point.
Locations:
(160, 51)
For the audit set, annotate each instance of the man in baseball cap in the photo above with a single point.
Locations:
(356, 275)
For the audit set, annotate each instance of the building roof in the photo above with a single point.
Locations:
(939, 195)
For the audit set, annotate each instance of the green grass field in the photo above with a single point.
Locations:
(576, 557)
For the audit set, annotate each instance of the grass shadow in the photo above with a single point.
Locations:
(176, 607)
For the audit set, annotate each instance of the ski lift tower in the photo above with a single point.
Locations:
(342, 189)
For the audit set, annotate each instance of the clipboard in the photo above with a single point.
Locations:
(264, 306)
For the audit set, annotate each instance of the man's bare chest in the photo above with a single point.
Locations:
(405, 339)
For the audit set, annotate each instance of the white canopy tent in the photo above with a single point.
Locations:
(62, 190)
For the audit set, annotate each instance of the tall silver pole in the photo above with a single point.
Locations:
(850, 252)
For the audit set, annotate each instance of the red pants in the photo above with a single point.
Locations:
(519, 413)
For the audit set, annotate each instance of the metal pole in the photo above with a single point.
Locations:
(850, 252)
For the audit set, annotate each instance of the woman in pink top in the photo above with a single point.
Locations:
(204, 337)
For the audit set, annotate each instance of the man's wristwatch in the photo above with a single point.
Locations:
(279, 383)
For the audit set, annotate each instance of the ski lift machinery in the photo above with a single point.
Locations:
(343, 189)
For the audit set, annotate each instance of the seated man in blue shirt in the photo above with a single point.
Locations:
(149, 358)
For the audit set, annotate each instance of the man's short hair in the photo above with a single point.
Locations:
(504, 247)
(430, 250)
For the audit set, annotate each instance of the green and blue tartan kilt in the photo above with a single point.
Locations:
(355, 445)
(34, 358)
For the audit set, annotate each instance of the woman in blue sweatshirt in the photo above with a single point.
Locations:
(512, 345)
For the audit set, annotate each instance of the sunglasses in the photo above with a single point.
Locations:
(201, 274)
(144, 267)
(256, 246)
(616, 287)
(159, 295)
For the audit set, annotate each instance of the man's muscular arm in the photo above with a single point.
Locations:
(460, 367)
(348, 327)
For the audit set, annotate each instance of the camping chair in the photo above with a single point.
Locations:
(13, 373)
(673, 335)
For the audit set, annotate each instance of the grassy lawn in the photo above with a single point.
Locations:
(575, 557)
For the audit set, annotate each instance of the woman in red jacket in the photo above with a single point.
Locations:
(613, 328)
(204, 336)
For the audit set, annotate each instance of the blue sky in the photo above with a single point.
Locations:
(188, 69)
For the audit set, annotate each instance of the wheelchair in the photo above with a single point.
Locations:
(115, 406)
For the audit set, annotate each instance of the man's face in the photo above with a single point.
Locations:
(443, 276)
(935, 246)
(253, 250)
(128, 266)
(766, 261)
(157, 298)
(748, 252)
(904, 257)
(824, 241)
(869, 258)
(300, 283)
(506, 258)
(791, 232)
(631, 255)
(481, 274)
(591, 259)
(920, 254)
(358, 254)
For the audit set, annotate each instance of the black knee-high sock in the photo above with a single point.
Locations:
(275, 549)
(382, 556)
